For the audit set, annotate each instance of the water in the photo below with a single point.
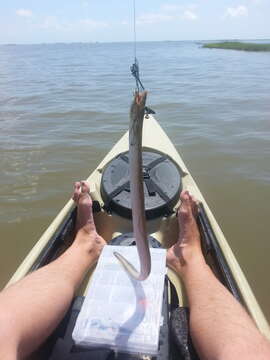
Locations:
(62, 107)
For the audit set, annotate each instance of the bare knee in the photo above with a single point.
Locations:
(8, 334)
(8, 354)
(8, 345)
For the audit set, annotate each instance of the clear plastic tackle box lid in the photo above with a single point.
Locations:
(119, 312)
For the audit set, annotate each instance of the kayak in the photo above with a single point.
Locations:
(165, 175)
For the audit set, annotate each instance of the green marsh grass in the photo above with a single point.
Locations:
(236, 45)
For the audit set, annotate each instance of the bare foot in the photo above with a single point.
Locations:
(84, 205)
(188, 247)
(87, 235)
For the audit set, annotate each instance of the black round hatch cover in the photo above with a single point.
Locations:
(162, 184)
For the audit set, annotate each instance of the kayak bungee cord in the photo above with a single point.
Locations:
(137, 112)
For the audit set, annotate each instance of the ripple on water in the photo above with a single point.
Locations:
(64, 106)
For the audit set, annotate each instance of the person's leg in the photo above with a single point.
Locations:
(220, 327)
(32, 308)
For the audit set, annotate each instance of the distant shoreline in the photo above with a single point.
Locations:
(236, 45)
(199, 41)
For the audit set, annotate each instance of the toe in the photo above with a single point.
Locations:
(184, 196)
(77, 191)
(194, 206)
(85, 187)
(184, 213)
(185, 210)
(186, 201)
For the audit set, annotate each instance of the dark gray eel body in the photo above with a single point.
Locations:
(136, 190)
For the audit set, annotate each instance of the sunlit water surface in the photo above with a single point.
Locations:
(62, 107)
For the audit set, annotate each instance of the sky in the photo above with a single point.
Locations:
(49, 21)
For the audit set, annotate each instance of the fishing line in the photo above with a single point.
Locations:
(135, 66)
(134, 29)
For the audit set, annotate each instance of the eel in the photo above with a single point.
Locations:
(137, 111)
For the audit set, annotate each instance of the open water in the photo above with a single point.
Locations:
(62, 107)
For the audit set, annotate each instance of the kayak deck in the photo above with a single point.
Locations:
(163, 229)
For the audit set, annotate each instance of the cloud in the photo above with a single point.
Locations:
(190, 15)
(237, 11)
(177, 8)
(171, 7)
(53, 23)
(24, 12)
(256, 2)
(169, 12)
(94, 24)
(124, 22)
(153, 18)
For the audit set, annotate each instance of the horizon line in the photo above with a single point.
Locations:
(123, 41)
